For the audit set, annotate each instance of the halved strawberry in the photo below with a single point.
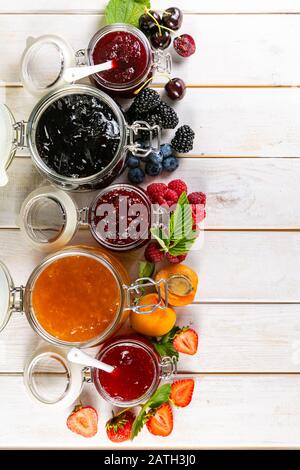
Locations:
(83, 421)
(182, 392)
(160, 423)
(118, 428)
(186, 341)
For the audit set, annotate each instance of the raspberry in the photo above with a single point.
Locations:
(175, 259)
(197, 198)
(178, 186)
(155, 190)
(198, 213)
(171, 197)
(153, 253)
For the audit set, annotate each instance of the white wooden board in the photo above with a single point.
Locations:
(236, 411)
(228, 51)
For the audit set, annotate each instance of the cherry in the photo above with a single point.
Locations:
(175, 89)
(172, 18)
(184, 45)
(147, 24)
(160, 40)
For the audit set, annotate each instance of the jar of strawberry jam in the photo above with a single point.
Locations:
(119, 218)
(77, 137)
(79, 296)
(52, 379)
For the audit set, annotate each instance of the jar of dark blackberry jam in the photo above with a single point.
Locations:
(119, 218)
(78, 138)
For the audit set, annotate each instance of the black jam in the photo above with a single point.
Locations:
(77, 136)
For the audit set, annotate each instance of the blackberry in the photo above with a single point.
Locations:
(165, 116)
(183, 140)
(145, 101)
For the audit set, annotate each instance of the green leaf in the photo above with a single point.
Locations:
(164, 346)
(156, 232)
(125, 11)
(146, 269)
(161, 395)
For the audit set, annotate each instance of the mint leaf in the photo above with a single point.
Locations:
(125, 11)
(157, 234)
(146, 269)
(159, 397)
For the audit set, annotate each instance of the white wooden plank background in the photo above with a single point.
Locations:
(243, 101)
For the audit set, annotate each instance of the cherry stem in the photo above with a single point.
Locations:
(155, 20)
(143, 86)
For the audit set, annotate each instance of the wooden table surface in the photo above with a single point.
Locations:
(243, 100)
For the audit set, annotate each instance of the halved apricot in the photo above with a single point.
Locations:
(174, 270)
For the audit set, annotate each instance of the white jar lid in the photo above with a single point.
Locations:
(51, 380)
(43, 63)
(48, 218)
(7, 142)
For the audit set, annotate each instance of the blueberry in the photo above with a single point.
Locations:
(166, 150)
(170, 163)
(155, 157)
(133, 161)
(153, 169)
(136, 175)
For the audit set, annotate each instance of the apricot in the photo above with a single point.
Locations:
(178, 269)
(157, 323)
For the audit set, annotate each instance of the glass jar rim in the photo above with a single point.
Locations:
(50, 98)
(134, 341)
(127, 28)
(32, 319)
(136, 243)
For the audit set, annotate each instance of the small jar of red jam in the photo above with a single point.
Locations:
(138, 370)
(137, 374)
(79, 296)
(136, 61)
(119, 218)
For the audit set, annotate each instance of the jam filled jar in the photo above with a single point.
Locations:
(78, 296)
(136, 61)
(53, 379)
(77, 136)
(119, 218)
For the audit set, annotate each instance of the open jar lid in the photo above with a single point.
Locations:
(43, 63)
(52, 380)
(7, 142)
(6, 288)
(49, 218)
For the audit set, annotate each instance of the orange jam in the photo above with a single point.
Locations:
(75, 298)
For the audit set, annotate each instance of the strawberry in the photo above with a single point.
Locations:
(83, 421)
(160, 421)
(182, 392)
(186, 341)
(118, 428)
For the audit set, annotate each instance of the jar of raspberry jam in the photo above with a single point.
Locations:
(79, 296)
(119, 218)
(77, 137)
(52, 379)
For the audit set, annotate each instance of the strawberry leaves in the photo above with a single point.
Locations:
(164, 346)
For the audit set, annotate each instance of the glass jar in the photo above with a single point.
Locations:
(52, 380)
(49, 218)
(79, 296)
(102, 47)
(46, 58)
(68, 155)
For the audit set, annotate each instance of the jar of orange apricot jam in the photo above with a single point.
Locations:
(79, 296)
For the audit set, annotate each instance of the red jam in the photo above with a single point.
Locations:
(129, 52)
(135, 371)
(120, 217)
